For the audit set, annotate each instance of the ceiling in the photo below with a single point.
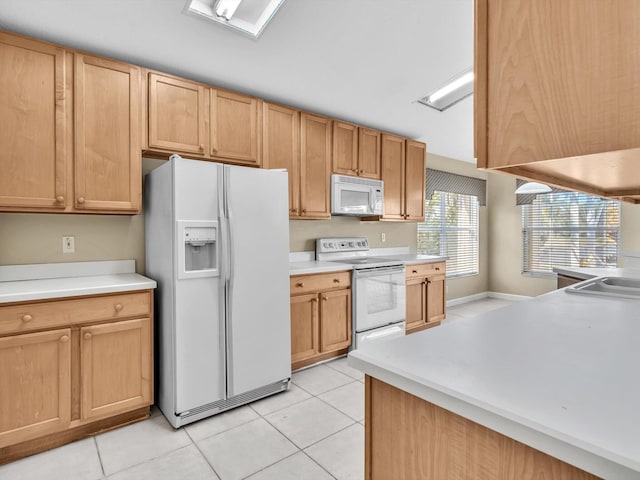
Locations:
(365, 61)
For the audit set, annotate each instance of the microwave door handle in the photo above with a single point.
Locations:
(372, 199)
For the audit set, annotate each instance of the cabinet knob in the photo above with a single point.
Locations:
(80, 200)
(118, 307)
(60, 199)
(201, 147)
(314, 300)
(324, 299)
(300, 284)
(27, 318)
(428, 282)
(336, 280)
(304, 210)
(64, 338)
(414, 271)
(87, 336)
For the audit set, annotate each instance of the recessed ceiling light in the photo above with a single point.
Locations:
(454, 90)
(247, 16)
(532, 187)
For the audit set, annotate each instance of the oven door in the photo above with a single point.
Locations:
(378, 297)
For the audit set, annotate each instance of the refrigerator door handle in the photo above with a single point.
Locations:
(224, 273)
(229, 282)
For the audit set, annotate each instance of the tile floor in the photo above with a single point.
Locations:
(314, 431)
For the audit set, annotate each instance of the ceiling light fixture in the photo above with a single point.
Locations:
(454, 90)
(226, 8)
(247, 16)
(530, 188)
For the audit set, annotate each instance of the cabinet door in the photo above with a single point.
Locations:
(436, 298)
(33, 100)
(116, 367)
(414, 180)
(416, 297)
(35, 379)
(177, 115)
(368, 153)
(315, 166)
(234, 127)
(107, 135)
(392, 161)
(335, 320)
(281, 147)
(305, 342)
(345, 148)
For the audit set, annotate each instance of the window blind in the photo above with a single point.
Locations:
(451, 229)
(569, 229)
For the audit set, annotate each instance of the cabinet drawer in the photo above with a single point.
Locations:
(425, 269)
(34, 316)
(320, 281)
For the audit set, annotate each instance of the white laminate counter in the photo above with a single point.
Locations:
(19, 283)
(412, 258)
(557, 372)
(586, 273)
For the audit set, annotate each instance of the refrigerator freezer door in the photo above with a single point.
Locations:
(258, 325)
(199, 305)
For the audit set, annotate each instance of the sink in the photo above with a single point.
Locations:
(622, 287)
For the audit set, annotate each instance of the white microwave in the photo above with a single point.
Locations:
(359, 197)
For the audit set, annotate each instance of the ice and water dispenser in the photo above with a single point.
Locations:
(198, 248)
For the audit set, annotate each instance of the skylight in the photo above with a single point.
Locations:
(454, 90)
(247, 16)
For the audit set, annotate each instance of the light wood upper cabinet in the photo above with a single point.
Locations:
(177, 117)
(414, 191)
(235, 127)
(345, 148)
(116, 367)
(281, 147)
(107, 135)
(369, 153)
(557, 93)
(33, 124)
(35, 375)
(393, 175)
(335, 331)
(315, 166)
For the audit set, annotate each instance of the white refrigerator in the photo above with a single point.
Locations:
(217, 243)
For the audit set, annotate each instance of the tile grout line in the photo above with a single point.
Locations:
(195, 444)
(95, 442)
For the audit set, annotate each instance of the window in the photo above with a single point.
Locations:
(451, 229)
(570, 229)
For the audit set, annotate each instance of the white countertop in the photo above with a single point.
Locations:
(301, 263)
(586, 273)
(19, 283)
(558, 372)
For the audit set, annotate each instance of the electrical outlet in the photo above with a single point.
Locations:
(383, 237)
(68, 244)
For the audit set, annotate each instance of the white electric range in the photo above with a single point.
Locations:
(378, 288)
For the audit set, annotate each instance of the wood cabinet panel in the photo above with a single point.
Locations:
(369, 153)
(393, 175)
(116, 367)
(33, 125)
(35, 398)
(235, 127)
(315, 166)
(37, 316)
(425, 269)
(416, 295)
(281, 147)
(335, 323)
(436, 298)
(345, 148)
(107, 135)
(319, 282)
(415, 170)
(305, 338)
(177, 116)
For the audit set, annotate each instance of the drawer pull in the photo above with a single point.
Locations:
(414, 271)
(437, 269)
(118, 307)
(300, 284)
(336, 280)
(27, 318)
(64, 338)
(87, 336)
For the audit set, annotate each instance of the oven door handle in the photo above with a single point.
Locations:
(374, 272)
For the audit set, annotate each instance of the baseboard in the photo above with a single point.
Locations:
(479, 296)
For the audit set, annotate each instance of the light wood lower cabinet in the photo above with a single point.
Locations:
(425, 295)
(72, 367)
(320, 317)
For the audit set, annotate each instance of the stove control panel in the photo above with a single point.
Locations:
(344, 244)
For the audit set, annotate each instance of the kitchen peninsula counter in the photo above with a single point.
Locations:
(557, 373)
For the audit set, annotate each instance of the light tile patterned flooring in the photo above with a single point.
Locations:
(314, 431)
